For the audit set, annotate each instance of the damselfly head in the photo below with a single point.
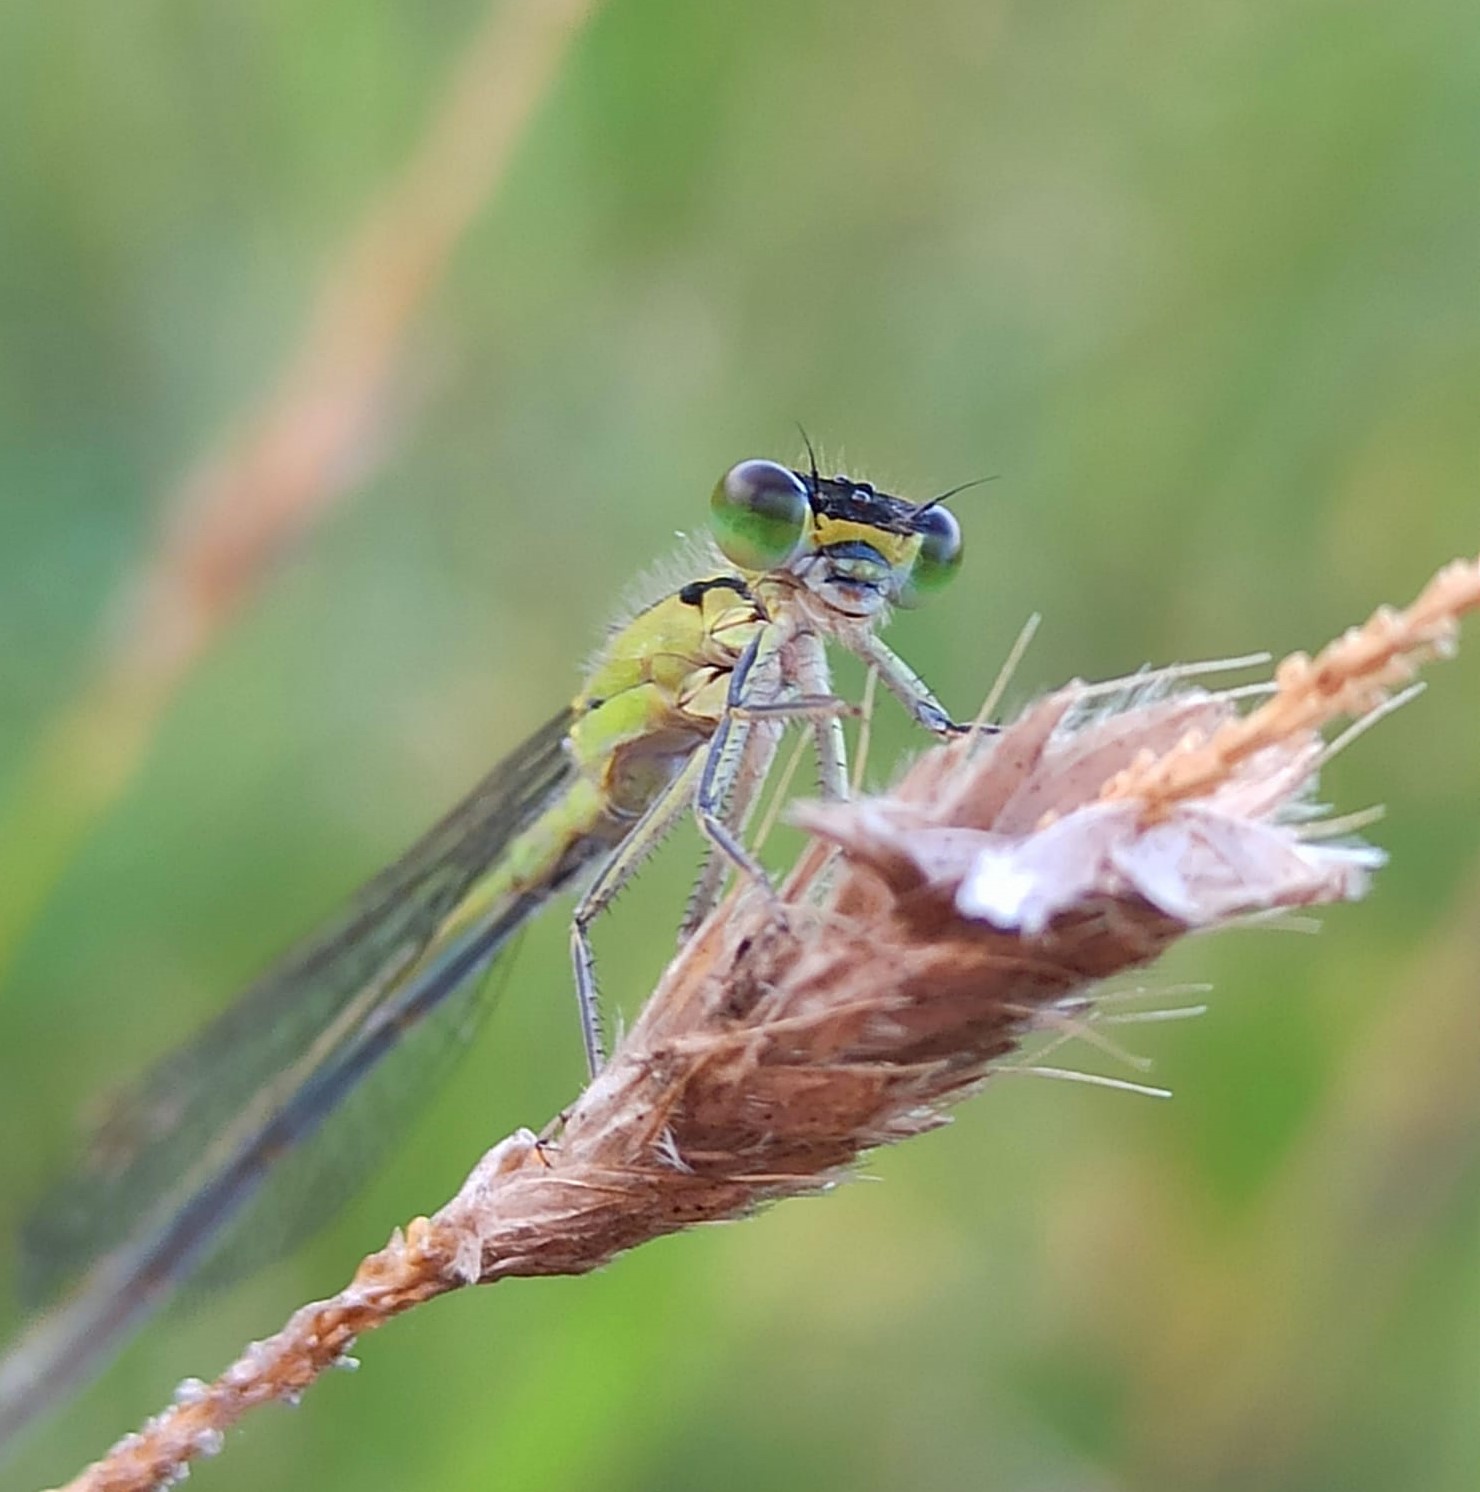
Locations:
(855, 547)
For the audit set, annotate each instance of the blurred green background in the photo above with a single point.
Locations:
(1198, 281)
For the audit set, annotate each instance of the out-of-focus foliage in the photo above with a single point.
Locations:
(1198, 281)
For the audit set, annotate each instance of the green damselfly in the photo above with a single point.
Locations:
(681, 711)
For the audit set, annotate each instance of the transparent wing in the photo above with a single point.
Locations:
(180, 1156)
(306, 1186)
(314, 998)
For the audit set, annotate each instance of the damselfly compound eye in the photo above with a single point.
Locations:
(939, 555)
(760, 513)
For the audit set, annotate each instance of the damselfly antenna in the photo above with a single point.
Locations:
(811, 460)
(945, 496)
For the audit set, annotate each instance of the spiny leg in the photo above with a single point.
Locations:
(752, 768)
(797, 661)
(646, 834)
(814, 676)
(745, 792)
(832, 757)
(737, 784)
(909, 688)
(726, 751)
(802, 661)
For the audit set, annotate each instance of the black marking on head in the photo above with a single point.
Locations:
(842, 498)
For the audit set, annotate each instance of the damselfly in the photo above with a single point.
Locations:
(681, 712)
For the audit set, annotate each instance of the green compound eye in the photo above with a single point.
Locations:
(939, 557)
(760, 513)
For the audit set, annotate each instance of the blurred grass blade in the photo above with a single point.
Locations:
(294, 456)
